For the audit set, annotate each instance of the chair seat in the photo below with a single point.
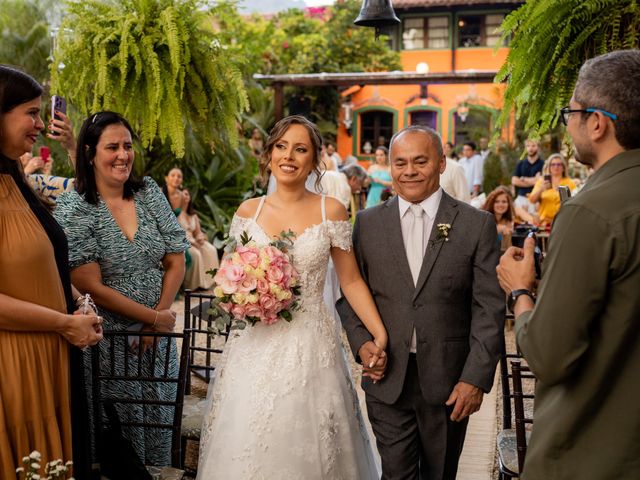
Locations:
(508, 452)
(165, 473)
(193, 416)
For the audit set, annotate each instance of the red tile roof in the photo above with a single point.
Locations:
(449, 3)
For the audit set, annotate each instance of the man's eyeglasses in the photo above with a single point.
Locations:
(566, 112)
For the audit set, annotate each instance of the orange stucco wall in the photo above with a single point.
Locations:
(444, 99)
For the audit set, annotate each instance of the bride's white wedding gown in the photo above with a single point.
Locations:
(283, 403)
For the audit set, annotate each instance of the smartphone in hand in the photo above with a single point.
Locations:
(58, 104)
(45, 154)
(565, 193)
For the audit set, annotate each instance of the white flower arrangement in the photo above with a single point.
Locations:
(54, 470)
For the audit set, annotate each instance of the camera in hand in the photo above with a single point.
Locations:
(519, 235)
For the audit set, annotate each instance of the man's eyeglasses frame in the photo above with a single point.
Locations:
(566, 111)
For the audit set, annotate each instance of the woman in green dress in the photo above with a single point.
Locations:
(126, 249)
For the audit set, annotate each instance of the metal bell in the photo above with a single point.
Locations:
(377, 14)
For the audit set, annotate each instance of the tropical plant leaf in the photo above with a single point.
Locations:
(551, 39)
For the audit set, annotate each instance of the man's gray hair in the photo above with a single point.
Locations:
(610, 82)
(356, 171)
(435, 137)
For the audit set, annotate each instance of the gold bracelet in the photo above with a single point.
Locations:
(155, 320)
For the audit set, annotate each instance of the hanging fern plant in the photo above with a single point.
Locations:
(158, 62)
(551, 39)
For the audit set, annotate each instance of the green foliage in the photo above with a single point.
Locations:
(158, 62)
(311, 45)
(24, 36)
(499, 168)
(294, 42)
(551, 40)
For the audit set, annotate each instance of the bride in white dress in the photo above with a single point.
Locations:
(283, 404)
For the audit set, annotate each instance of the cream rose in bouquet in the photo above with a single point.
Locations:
(255, 284)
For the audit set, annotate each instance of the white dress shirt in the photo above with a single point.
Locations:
(472, 170)
(454, 182)
(430, 206)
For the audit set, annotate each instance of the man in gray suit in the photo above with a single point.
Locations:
(429, 261)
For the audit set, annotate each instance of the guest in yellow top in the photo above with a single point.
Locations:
(545, 190)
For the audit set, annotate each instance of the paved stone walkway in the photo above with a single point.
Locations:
(476, 462)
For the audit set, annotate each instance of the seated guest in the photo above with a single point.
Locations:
(545, 190)
(204, 256)
(173, 189)
(256, 143)
(500, 203)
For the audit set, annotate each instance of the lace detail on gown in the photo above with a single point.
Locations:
(283, 403)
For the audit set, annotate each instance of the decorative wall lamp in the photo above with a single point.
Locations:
(347, 117)
(463, 111)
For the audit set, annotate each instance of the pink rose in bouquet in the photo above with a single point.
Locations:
(256, 284)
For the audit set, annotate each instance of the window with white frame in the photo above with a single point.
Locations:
(438, 32)
(491, 24)
(413, 34)
(425, 32)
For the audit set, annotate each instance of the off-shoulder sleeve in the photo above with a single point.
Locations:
(340, 234)
(51, 186)
(77, 218)
(173, 235)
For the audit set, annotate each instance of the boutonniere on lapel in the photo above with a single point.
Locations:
(442, 233)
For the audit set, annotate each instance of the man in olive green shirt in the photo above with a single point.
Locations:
(581, 338)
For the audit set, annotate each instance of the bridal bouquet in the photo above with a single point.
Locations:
(255, 284)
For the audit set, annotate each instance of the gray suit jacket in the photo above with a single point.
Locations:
(457, 307)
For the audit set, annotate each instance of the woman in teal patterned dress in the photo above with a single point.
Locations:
(380, 177)
(127, 250)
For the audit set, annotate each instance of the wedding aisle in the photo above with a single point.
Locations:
(477, 459)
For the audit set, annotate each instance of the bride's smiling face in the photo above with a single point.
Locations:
(293, 156)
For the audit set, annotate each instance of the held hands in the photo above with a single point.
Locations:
(82, 330)
(516, 269)
(466, 399)
(374, 359)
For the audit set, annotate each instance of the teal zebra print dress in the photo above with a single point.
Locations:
(134, 269)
